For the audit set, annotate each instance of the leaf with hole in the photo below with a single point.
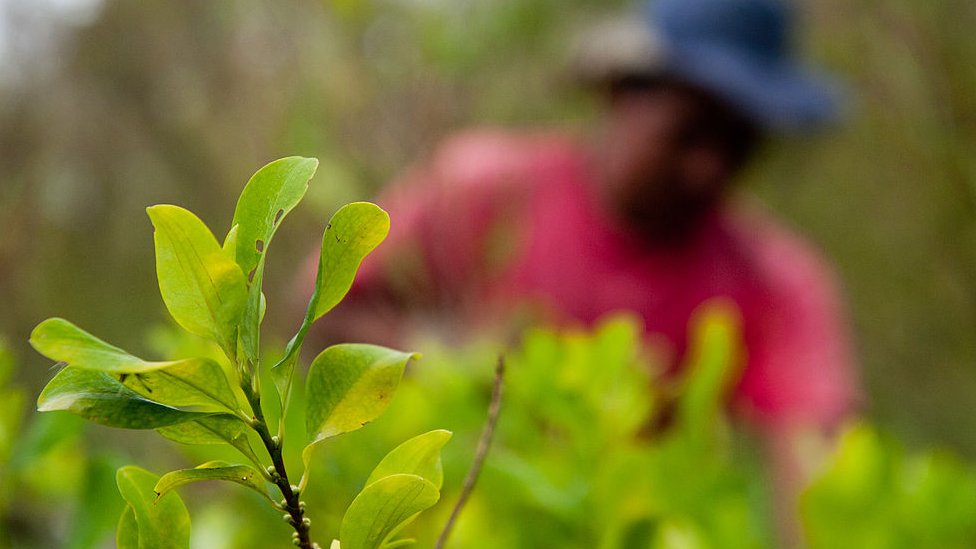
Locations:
(213, 470)
(203, 289)
(101, 398)
(383, 508)
(162, 523)
(269, 195)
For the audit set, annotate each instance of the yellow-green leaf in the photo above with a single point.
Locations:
(269, 195)
(192, 382)
(267, 198)
(215, 429)
(349, 385)
(419, 456)
(99, 397)
(213, 470)
(382, 508)
(353, 232)
(203, 289)
(127, 532)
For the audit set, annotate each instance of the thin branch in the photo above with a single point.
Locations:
(484, 443)
(291, 503)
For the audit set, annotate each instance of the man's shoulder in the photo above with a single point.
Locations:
(782, 260)
(499, 156)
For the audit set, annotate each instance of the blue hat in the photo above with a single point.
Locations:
(738, 50)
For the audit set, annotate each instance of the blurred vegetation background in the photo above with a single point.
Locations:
(108, 106)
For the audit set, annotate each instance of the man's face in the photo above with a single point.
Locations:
(657, 174)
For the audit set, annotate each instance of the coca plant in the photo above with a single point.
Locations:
(213, 290)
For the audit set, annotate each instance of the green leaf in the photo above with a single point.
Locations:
(127, 532)
(215, 429)
(382, 508)
(230, 243)
(190, 382)
(353, 232)
(269, 195)
(350, 385)
(419, 456)
(99, 397)
(162, 523)
(714, 366)
(203, 289)
(267, 198)
(213, 470)
(62, 341)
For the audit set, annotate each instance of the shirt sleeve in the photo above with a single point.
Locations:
(800, 366)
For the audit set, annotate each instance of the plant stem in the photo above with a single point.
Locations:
(484, 443)
(291, 502)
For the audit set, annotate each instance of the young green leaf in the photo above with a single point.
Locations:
(349, 385)
(383, 508)
(419, 456)
(213, 470)
(99, 397)
(62, 341)
(353, 232)
(127, 532)
(230, 243)
(162, 524)
(203, 289)
(267, 198)
(269, 195)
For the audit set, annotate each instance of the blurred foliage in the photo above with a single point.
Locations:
(874, 495)
(582, 457)
(126, 104)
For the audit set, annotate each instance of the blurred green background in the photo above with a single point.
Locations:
(109, 106)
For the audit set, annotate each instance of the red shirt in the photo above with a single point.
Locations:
(497, 219)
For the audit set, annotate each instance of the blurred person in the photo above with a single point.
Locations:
(637, 217)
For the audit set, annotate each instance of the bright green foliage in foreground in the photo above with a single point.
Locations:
(873, 494)
(213, 290)
(595, 450)
(576, 465)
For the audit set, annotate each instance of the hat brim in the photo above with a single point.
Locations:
(775, 95)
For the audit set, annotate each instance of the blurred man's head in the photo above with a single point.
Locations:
(692, 86)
